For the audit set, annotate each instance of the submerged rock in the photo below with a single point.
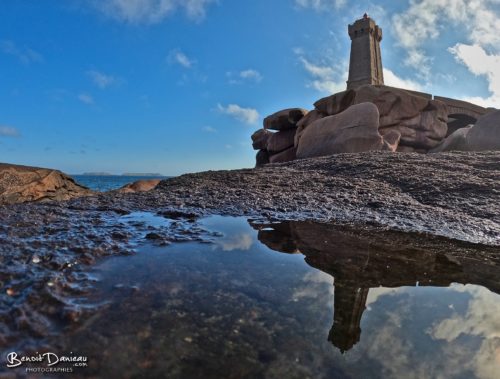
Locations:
(19, 184)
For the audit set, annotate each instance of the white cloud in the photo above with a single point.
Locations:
(9, 131)
(324, 78)
(321, 4)
(242, 241)
(250, 75)
(246, 115)
(100, 79)
(480, 63)
(209, 129)
(425, 20)
(391, 79)
(151, 11)
(24, 54)
(481, 320)
(86, 98)
(178, 57)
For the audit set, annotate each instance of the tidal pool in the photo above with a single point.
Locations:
(289, 300)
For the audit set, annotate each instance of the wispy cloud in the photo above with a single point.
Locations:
(247, 115)
(323, 77)
(321, 4)
(86, 98)
(209, 129)
(327, 79)
(25, 55)
(151, 11)
(9, 131)
(101, 79)
(178, 57)
(249, 75)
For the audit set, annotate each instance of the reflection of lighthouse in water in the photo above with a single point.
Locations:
(359, 263)
(350, 302)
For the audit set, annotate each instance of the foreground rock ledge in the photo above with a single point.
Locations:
(455, 195)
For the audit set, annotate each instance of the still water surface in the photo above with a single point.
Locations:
(291, 300)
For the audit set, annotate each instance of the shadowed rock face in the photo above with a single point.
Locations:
(362, 260)
(485, 135)
(19, 184)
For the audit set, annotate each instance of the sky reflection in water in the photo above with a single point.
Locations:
(236, 308)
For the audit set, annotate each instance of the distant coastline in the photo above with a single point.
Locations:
(140, 174)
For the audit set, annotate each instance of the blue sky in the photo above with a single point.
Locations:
(176, 86)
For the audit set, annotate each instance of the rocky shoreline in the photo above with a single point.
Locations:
(454, 195)
(46, 247)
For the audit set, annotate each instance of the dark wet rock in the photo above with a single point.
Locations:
(19, 184)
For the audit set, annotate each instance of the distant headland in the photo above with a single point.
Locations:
(142, 174)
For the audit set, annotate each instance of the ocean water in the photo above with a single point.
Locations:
(109, 182)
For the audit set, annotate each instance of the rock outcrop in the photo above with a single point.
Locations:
(408, 122)
(285, 119)
(421, 122)
(485, 134)
(352, 131)
(19, 184)
(278, 146)
(456, 141)
(139, 186)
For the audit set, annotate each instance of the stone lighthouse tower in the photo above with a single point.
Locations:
(365, 66)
